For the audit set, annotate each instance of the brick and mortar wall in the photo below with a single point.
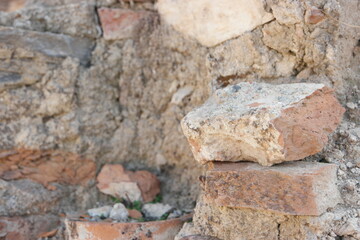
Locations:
(84, 83)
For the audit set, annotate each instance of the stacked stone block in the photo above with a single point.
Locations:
(240, 133)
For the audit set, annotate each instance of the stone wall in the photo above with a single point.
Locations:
(108, 81)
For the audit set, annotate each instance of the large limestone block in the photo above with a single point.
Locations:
(212, 22)
(263, 123)
(297, 188)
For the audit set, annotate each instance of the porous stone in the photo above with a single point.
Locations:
(262, 123)
(100, 212)
(139, 185)
(122, 23)
(252, 224)
(49, 44)
(155, 210)
(297, 188)
(119, 212)
(211, 23)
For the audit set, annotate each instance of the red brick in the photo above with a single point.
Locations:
(76, 230)
(122, 23)
(297, 188)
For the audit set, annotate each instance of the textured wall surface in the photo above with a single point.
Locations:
(65, 87)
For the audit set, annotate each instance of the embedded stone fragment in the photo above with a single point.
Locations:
(156, 210)
(46, 167)
(122, 23)
(297, 188)
(139, 185)
(49, 44)
(263, 123)
(133, 213)
(100, 212)
(119, 212)
(210, 23)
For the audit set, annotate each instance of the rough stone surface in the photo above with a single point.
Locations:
(299, 188)
(81, 20)
(122, 23)
(263, 123)
(11, 5)
(199, 237)
(49, 44)
(100, 212)
(155, 210)
(46, 167)
(117, 108)
(219, 222)
(119, 212)
(139, 185)
(211, 23)
(27, 228)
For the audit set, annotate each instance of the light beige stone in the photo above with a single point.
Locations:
(297, 188)
(262, 123)
(211, 23)
(248, 224)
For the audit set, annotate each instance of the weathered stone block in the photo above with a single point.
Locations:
(243, 223)
(122, 23)
(263, 123)
(211, 23)
(298, 188)
(49, 44)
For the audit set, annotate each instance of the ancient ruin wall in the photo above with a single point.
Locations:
(120, 99)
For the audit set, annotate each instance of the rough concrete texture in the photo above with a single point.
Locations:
(210, 23)
(116, 108)
(298, 188)
(262, 123)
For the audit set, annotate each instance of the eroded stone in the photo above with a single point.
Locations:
(211, 23)
(297, 188)
(46, 166)
(263, 123)
(139, 185)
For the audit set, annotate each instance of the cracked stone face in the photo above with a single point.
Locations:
(262, 123)
(210, 23)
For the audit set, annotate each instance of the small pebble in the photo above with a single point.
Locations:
(119, 212)
(100, 212)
